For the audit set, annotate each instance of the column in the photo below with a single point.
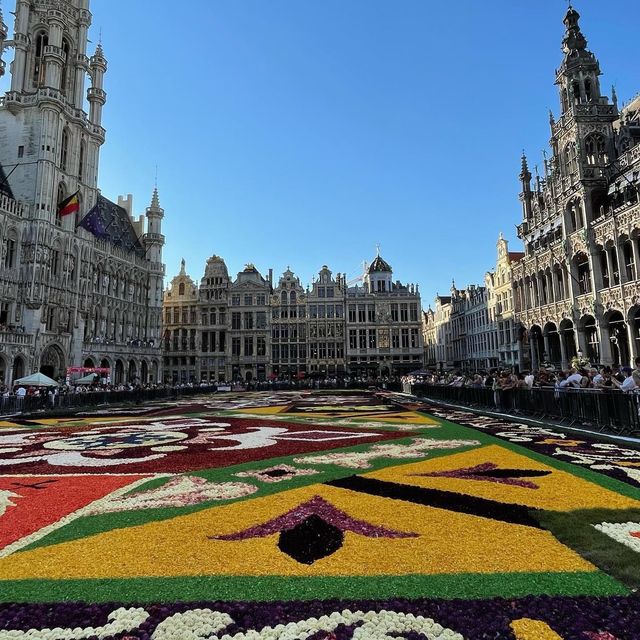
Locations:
(633, 344)
(636, 257)
(620, 260)
(609, 265)
(534, 351)
(606, 353)
(21, 45)
(547, 350)
(564, 363)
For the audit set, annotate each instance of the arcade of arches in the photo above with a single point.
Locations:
(613, 340)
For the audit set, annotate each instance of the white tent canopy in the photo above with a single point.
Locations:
(36, 380)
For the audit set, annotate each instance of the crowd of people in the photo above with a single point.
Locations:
(626, 379)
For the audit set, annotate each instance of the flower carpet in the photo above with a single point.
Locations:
(312, 515)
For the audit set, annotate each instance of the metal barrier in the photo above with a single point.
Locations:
(602, 409)
(12, 405)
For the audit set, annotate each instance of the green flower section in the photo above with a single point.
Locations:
(465, 586)
(577, 530)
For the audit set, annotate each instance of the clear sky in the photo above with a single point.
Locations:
(303, 133)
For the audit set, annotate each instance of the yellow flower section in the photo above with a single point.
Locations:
(406, 417)
(528, 629)
(558, 491)
(447, 543)
(392, 417)
(262, 411)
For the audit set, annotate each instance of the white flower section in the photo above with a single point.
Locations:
(628, 533)
(120, 621)
(5, 500)
(419, 448)
(191, 625)
(197, 624)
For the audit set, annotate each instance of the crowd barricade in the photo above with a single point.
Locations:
(600, 409)
(61, 402)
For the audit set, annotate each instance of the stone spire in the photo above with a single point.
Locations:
(573, 39)
(155, 200)
(96, 94)
(578, 74)
(525, 174)
(525, 194)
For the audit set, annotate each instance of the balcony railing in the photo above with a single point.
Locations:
(15, 338)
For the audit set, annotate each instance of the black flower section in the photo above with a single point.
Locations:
(313, 530)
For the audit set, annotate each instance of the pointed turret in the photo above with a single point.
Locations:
(96, 94)
(578, 74)
(573, 40)
(525, 194)
(155, 200)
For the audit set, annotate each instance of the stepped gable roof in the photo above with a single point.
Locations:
(379, 266)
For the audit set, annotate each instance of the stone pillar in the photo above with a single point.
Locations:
(606, 353)
(564, 362)
(633, 344)
(581, 341)
(21, 40)
(533, 348)
(609, 265)
(636, 257)
(547, 350)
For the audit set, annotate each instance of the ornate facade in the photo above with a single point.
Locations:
(577, 288)
(68, 298)
(499, 285)
(249, 329)
(384, 324)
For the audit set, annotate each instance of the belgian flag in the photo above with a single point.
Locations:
(69, 205)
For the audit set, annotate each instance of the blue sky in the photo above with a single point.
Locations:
(290, 132)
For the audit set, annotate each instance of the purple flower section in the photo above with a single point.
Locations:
(580, 618)
(323, 509)
(475, 473)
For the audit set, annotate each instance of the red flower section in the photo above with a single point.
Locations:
(29, 503)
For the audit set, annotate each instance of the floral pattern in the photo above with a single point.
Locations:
(315, 516)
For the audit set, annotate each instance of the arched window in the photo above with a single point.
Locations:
(64, 149)
(293, 297)
(571, 159)
(81, 160)
(587, 89)
(565, 99)
(9, 250)
(595, 148)
(181, 289)
(41, 41)
(581, 262)
(283, 297)
(575, 90)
